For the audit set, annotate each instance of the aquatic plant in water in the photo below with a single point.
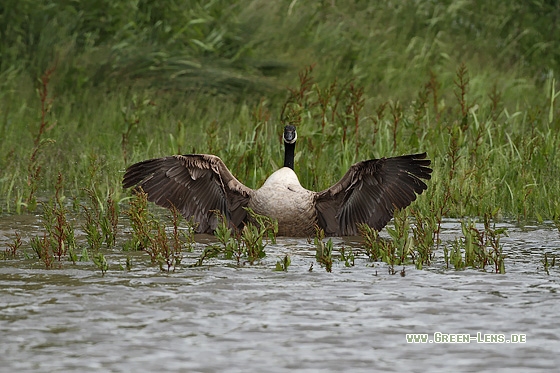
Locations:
(477, 248)
(283, 264)
(101, 263)
(348, 257)
(58, 239)
(141, 221)
(323, 250)
(13, 248)
(248, 243)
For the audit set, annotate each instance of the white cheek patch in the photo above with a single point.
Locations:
(291, 142)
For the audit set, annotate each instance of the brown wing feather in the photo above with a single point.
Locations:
(370, 192)
(195, 184)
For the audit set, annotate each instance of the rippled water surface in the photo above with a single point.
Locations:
(223, 318)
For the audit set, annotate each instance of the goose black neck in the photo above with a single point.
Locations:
(289, 155)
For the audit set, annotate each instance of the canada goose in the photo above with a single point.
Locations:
(198, 184)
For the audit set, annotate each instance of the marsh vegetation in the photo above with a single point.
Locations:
(87, 90)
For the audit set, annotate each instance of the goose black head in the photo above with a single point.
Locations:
(290, 134)
(290, 137)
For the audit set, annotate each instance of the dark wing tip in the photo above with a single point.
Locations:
(140, 172)
(417, 165)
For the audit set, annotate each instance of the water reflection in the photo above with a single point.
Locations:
(223, 318)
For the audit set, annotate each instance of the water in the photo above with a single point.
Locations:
(220, 318)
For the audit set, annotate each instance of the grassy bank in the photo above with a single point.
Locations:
(85, 93)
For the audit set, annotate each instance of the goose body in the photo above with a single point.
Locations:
(283, 198)
(198, 184)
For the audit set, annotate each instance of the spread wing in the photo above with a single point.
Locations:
(370, 192)
(195, 184)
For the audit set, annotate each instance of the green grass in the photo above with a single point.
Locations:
(86, 100)
(85, 92)
(482, 159)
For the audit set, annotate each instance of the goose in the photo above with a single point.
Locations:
(199, 184)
